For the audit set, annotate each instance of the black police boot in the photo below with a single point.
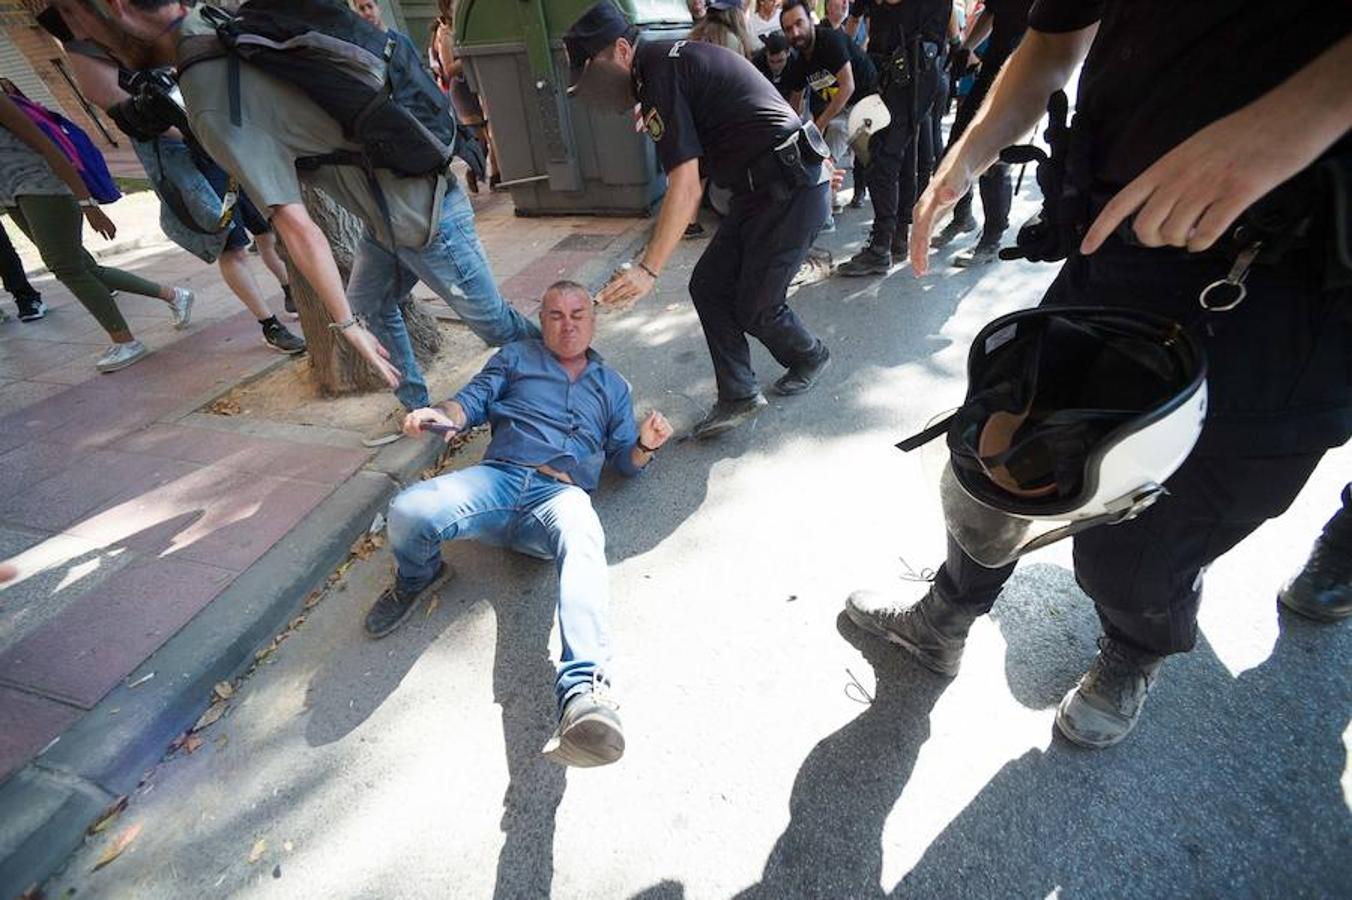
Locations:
(1105, 706)
(1323, 589)
(900, 240)
(955, 228)
(802, 377)
(727, 415)
(986, 250)
(860, 194)
(874, 259)
(933, 630)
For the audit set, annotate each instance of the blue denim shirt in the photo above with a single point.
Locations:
(540, 417)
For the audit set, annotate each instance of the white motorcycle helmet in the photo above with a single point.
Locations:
(1074, 417)
(867, 117)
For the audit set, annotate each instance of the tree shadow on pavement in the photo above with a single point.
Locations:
(1227, 781)
(850, 781)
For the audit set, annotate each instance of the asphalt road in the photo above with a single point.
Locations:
(774, 751)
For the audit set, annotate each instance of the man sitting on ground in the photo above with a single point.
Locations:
(558, 414)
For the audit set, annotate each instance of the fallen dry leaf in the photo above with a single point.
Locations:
(115, 849)
(192, 743)
(296, 623)
(225, 407)
(259, 848)
(223, 690)
(109, 815)
(433, 604)
(213, 713)
(313, 599)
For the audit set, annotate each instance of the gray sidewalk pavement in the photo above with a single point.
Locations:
(773, 751)
(158, 546)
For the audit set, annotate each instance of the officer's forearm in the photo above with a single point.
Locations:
(1318, 98)
(1042, 64)
(682, 200)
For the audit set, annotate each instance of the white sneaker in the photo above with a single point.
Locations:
(119, 356)
(181, 307)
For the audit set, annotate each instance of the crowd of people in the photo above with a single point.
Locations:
(1150, 205)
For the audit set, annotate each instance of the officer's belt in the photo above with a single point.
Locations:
(782, 166)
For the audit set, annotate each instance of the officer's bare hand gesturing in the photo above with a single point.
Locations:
(949, 183)
(1192, 195)
(626, 287)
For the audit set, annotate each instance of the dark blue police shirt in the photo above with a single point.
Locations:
(700, 101)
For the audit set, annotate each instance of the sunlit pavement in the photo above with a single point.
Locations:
(773, 751)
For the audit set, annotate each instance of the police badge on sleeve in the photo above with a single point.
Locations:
(653, 124)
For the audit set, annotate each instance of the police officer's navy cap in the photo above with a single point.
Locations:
(594, 31)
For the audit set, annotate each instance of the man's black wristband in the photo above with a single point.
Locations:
(651, 451)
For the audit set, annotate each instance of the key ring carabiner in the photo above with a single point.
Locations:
(1234, 280)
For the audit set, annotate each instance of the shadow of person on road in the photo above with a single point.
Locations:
(1227, 784)
(849, 783)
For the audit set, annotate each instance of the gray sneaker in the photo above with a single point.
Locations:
(280, 338)
(1103, 708)
(932, 630)
(727, 415)
(119, 356)
(589, 732)
(181, 307)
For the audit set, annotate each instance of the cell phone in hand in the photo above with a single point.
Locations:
(437, 427)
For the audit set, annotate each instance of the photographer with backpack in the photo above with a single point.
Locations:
(272, 116)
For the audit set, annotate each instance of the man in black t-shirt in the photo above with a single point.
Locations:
(824, 69)
(1199, 183)
(711, 114)
(774, 60)
(905, 41)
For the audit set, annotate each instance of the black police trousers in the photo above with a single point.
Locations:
(1280, 394)
(740, 283)
(894, 151)
(997, 194)
(11, 271)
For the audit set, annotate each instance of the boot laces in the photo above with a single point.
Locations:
(601, 692)
(1117, 675)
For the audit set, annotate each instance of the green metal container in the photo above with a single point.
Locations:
(557, 155)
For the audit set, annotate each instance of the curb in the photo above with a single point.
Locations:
(46, 806)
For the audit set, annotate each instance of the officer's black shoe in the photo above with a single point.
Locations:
(857, 201)
(1323, 589)
(952, 231)
(802, 377)
(393, 607)
(979, 255)
(872, 260)
(1105, 706)
(727, 415)
(900, 241)
(693, 230)
(933, 630)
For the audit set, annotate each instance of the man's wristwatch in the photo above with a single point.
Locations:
(87, 203)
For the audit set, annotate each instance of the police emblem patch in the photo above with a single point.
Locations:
(654, 125)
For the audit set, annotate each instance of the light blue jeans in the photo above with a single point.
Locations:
(455, 268)
(512, 506)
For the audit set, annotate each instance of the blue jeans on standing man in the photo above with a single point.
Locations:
(506, 505)
(453, 265)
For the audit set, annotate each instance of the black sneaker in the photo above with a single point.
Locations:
(693, 230)
(869, 261)
(279, 338)
(952, 231)
(727, 415)
(1105, 706)
(30, 308)
(1323, 589)
(589, 732)
(984, 252)
(393, 607)
(857, 201)
(802, 378)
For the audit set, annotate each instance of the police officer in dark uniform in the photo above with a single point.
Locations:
(711, 114)
(905, 40)
(1005, 21)
(1205, 179)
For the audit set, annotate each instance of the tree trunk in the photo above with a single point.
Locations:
(337, 369)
